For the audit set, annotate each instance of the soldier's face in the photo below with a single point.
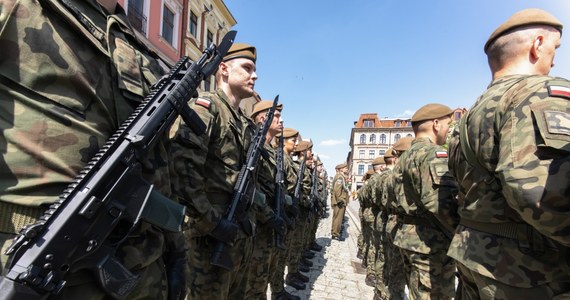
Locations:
(442, 127)
(277, 123)
(241, 76)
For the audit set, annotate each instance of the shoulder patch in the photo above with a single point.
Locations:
(559, 91)
(441, 154)
(203, 102)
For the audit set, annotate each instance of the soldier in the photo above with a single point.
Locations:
(339, 200)
(65, 90)
(394, 271)
(431, 209)
(264, 257)
(510, 155)
(366, 197)
(277, 282)
(206, 168)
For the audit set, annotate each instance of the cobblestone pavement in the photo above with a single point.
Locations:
(337, 272)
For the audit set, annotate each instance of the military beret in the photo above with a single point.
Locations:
(369, 173)
(303, 146)
(263, 105)
(241, 50)
(525, 17)
(389, 153)
(340, 166)
(288, 133)
(431, 111)
(378, 161)
(403, 144)
(319, 163)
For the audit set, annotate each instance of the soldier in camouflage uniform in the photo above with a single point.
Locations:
(339, 200)
(365, 196)
(205, 170)
(265, 252)
(431, 209)
(511, 157)
(65, 90)
(277, 281)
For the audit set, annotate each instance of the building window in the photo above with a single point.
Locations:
(168, 25)
(372, 139)
(397, 137)
(370, 167)
(409, 123)
(207, 83)
(368, 123)
(136, 15)
(360, 169)
(382, 139)
(361, 154)
(193, 24)
(410, 135)
(371, 154)
(457, 115)
(363, 139)
(209, 38)
(397, 124)
(381, 152)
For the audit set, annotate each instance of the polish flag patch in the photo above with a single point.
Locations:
(441, 154)
(203, 102)
(560, 91)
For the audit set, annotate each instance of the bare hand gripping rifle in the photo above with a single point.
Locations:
(81, 229)
(245, 179)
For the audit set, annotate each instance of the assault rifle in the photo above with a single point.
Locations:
(109, 197)
(299, 185)
(242, 187)
(279, 191)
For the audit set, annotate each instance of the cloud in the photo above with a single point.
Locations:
(332, 142)
(406, 114)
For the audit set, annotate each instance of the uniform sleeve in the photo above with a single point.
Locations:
(188, 154)
(441, 201)
(534, 165)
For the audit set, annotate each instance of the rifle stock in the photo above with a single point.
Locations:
(81, 229)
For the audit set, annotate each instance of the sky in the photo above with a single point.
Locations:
(331, 60)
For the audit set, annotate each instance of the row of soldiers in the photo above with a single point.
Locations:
(72, 72)
(486, 216)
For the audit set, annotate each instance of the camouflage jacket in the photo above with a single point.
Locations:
(266, 178)
(304, 200)
(366, 197)
(339, 190)
(429, 184)
(513, 173)
(66, 85)
(206, 167)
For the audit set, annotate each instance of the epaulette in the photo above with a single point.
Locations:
(558, 88)
(441, 154)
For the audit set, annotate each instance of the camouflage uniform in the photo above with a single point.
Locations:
(339, 194)
(366, 198)
(65, 90)
(205, 170)
(424, 244)
(512, 238)
(380, 195)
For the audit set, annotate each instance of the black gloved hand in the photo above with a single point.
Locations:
(277, 224)
(175, 265)
(225, 231)
(340, 204)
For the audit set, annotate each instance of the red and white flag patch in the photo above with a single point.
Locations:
(441, 154)
(558, 90)
(203, 102)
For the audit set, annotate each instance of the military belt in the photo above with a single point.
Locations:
(525, 234)
(13, 216)
(407, 219)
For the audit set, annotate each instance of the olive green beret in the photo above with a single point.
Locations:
(338, 167)
(378, 161)
(319, 163)
(240, 50)
(525, 17)
(431, 111)
(389, 153)
(403, 144)
(303, 146)
(288, 133)
(264, 105)
(369, 173)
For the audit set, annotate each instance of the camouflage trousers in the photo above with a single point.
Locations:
(312, 233)
(206, 281)
(378, 239)
(369, 247)
(263, 260)
(297, 242)
(394, 273)
(337, 220)
(431, 276)
(83, 285)
(277, 281)
(473, 285)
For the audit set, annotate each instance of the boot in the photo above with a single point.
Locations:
(306, 262)
(294, 282)
(370, 280)
(316, 247)
(284, 295)
(308, 254)
(304, 268)
(303, 278)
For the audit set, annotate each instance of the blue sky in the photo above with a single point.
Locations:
(331, 60)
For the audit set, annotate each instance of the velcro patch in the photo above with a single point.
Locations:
(441, 154)
(557, 122)
(559, 91)
(203, 102)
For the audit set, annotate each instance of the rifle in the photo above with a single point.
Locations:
(299, 185)
(279, 191)
(219, 256)
(81, 229)
(315, 190)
